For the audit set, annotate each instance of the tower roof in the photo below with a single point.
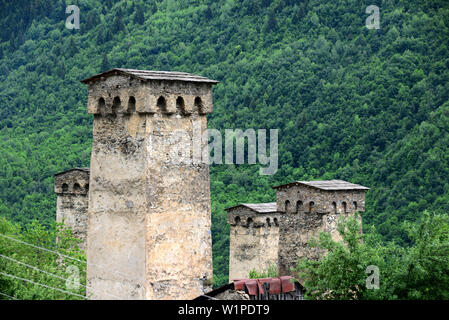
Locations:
(328, 185)
(152, 75)
(269, 207)
(74, 169)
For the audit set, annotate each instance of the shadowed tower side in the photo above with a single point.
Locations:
(254, 238)
(149, 213)
(72, 188)
(308, 208)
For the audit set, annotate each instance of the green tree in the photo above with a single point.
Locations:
(271, 272)
(420, 271)
(426, 267)
(271, 22)
(105, 66)
(288, 78)
(118, 24)
(29, 272)
(139, 16)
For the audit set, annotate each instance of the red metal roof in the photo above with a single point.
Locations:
(254, 286)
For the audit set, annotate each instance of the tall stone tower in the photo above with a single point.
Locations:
(149, 213)
(72, 188)
(254, 238)
(308, 208)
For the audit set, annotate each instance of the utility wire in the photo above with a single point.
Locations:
(42, 285)
(53, 275)
(41, 248)
(58, 253)
(5, 295)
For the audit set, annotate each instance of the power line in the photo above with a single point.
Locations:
(60, 254)
(42, 285)
(53, 275)
(5, 295)
(41, 248)
(33, 267)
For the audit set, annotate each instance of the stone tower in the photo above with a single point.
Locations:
(253, 239)
(72, 187)
(278, 232)
(308, 208)
(149, 213)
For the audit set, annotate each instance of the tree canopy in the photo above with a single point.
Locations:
(365, 105)
(349, 268)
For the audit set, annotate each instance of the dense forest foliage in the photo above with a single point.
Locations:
(364, 105)
(363, 266)
(34, 266)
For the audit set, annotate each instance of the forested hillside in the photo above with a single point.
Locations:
(367, 106)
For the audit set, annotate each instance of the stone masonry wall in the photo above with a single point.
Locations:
(302, 222)
(179, 256)
(254, 239)
(72, 200)
(149, 229)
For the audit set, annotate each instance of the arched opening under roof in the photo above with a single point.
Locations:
(132, 104)
(116, 103)
(299, 206)
(180, 105)
(311, 206)
(101, 106)
(287, 206)
(198, 105)
(162, 104)
(76, 187)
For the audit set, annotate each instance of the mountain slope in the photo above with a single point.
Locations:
(368, 106)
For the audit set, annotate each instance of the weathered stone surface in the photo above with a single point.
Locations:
(303, 209)
(253, 241)
(149, 214)
(232, 295)
(147, 94)
(307, 211)
(72, 189)
(179, 256)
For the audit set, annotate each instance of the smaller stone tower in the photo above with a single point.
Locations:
(72, 189)
(308, 208)
(254, 238)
